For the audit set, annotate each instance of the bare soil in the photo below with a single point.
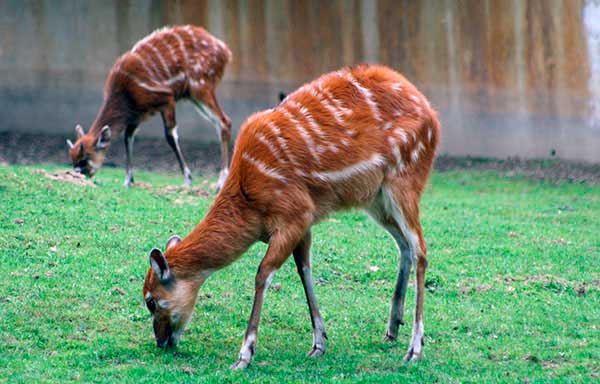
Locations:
(154, 154)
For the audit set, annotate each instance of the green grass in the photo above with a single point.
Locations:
(513, 292)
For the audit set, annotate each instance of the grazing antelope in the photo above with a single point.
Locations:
(359, 137)
(184, 62)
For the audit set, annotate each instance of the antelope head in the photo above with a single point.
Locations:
(169, 299)
(88, 152)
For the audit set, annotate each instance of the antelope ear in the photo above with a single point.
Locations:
(79, 130)
(103, 138)
(159, 265)
(70, 143)
(173, 240)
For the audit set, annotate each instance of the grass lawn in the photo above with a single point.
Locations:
(513, 292)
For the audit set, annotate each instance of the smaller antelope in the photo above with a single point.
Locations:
(361, 137)
(184, 62)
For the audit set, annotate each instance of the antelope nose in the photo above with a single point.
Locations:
(162, 343)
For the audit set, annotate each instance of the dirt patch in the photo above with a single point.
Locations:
(550, 170)
(66, 177)
(181, 190)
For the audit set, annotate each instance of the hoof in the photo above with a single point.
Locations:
(240, 364)
(316, 351)
(411, 355)
(389, 338)
(128, 183)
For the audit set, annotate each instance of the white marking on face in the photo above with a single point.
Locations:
(148, 295)
(373, 163)
(164, 304)
(263, 168)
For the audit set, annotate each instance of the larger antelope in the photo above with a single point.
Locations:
(360, 137)
(168, 65)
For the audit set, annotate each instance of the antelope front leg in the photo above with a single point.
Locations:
(303, 264)
(280, 247)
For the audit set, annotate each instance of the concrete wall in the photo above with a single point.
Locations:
(509, 77)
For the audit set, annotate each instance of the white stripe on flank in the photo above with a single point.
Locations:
(364, 166)
(387, 126)
(161, 59)
(395, 150)
(196, 84)
(429, 134)
(152, 73)
(281, 141)
(338, 103)
(322, 98)
(403, 136)
(262, 167)
(274, 150)
(415, 99)
(142, 84)
(415, 153)
(182, 47)
(310, 144)
(367, 95)
(396, 87)
(308, 117)
(176, 79)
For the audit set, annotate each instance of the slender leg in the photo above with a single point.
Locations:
(168, 116)
(280, 247)
(302, 259)
(209, 108)
(379, 213)
(397, 307)
(416, 344)
(400, 216)
(129, 138)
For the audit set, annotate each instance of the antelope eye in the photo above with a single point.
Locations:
(151, 305)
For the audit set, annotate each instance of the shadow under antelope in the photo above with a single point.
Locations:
(362, 137)
(171, 64)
